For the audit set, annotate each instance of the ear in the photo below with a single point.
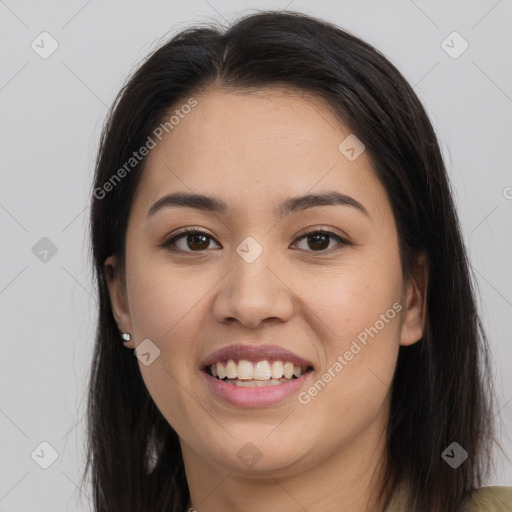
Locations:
(413, 324)
(118, 297)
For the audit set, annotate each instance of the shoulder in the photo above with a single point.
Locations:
(485, 499)
(490, 499)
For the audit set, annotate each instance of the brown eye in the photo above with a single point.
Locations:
(199, 241)
(192, 241)
(319, 241)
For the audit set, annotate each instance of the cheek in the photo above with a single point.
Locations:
(355, 297)
(360, 341)
(165, 308)
(163, 299)
(360, 310)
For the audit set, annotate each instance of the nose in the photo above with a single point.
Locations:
(253, 293)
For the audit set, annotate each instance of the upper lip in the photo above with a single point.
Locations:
(255, 353)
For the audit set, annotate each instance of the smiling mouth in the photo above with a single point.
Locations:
(263, 373)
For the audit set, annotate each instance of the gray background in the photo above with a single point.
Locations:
(52, 111)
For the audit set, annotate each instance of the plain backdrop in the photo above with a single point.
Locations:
(52, 110)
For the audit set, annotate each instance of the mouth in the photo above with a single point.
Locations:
(262, 373)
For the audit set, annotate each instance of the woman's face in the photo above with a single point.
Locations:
(252, 279)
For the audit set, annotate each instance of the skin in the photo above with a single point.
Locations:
(253, 150)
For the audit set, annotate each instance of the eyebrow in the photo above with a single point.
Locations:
(293, 204)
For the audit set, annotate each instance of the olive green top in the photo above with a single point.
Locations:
(486, 499)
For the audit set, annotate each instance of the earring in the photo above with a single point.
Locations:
(126, 336)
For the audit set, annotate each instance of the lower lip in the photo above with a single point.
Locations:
(256, 396)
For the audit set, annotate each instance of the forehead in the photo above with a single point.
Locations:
(255, 144)
(253, 126)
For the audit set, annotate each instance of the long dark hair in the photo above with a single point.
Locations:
(442, 389)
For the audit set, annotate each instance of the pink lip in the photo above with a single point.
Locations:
(255, 353)
(254, 397)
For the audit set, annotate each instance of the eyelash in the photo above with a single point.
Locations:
(188, 231)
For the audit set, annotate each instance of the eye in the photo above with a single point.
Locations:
(198, 241)
(320, 239)
(195, 239)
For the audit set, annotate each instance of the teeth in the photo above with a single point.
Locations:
(277, 369)
(260, 371)
(221, 370)
(231, 369)
(245, 370)
(257, 383)
(288, 370)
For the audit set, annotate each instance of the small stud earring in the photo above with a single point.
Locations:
(126, 336)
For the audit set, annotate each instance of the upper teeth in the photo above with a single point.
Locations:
(262, 370)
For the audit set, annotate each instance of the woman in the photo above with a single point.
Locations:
(275, 241)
